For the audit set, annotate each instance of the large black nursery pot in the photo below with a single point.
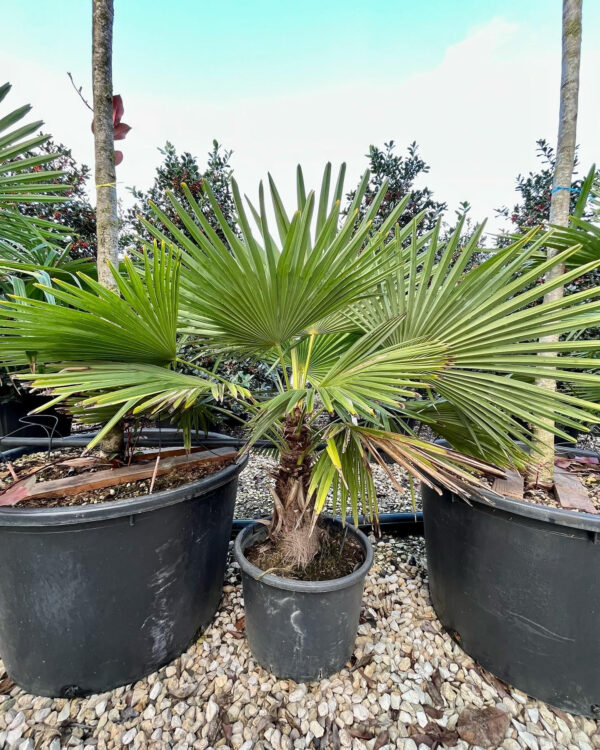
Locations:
(96, 596)
(518, 587)
(303, 630)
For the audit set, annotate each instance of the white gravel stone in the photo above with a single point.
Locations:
(64, 713)
(155, 691)
(212, 710)
(361, 712)
(128, 736)
(385, 702)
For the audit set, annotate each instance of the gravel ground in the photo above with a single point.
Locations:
(406, 688)
(254, 498)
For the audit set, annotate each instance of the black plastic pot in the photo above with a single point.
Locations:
(518, 587)
(303, 630)
(97, 596)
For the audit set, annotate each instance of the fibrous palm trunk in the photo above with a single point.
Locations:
(291, 527)
(541, 470)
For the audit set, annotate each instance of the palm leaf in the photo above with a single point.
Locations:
(486, 322)
(23, 180)
(258, 295)
(136, 323)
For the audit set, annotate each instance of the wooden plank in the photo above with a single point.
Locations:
(570, 492)
(111, 477)
(167, 453)
(512, 486)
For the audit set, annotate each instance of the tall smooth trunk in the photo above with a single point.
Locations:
(107, 220)
(541, 470)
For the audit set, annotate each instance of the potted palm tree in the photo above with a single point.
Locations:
(91, 602)
(364, 329)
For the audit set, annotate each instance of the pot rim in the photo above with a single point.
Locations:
(579, 520)
(307, 587)
(78, 514)
(547, 514)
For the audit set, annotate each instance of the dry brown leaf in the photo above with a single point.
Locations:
(360, 732)
(483, 726)
(383, 738)
(80, 462)
(434, 688)
(17, 491)
(240, 624)
(6, 685)
(433, 713)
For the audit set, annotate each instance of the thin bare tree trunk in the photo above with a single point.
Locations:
(107, 219)
(542, 470)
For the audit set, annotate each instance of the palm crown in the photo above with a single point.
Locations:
(366, 328)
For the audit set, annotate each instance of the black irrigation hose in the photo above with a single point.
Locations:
(398, 524)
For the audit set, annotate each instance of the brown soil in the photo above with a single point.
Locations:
(539, 496)
(588, 475)
(52, 470)
(339, 555)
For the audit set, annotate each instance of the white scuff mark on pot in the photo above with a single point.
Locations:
(540, 629)
(297, 614)
(161, 622)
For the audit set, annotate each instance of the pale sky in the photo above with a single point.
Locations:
(474, 82)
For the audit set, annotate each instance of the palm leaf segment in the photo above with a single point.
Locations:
(488, 321)
(23, 180)
(258, 294)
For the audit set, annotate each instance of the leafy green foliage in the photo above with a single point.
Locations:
(535, 192)
(400, 173)
(136, 323)
(76, 213)
(176, 170)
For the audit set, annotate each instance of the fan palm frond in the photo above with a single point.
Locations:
(24, 180)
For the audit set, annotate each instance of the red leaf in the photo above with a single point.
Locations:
(118, 108)
(121, 130)
(563, 463)
(17, 491)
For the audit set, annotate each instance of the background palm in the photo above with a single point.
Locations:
(367, 328)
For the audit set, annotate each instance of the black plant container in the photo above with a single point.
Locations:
(303, 630)
(518, 587)
(96, 596)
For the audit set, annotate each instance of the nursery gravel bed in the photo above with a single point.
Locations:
(409, 686)
(254, 498)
